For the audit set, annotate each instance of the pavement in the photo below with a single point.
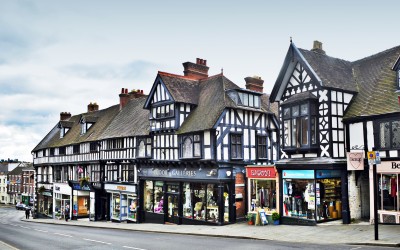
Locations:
(359, 233)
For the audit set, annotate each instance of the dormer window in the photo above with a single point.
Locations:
(64, 127)
(245, 99)
(300, 123)
(164, 111)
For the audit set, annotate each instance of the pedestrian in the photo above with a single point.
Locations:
(27, 211)
(66, 212)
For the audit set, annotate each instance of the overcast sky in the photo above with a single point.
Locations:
(58, 56)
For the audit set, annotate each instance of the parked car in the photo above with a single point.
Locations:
(21, 206)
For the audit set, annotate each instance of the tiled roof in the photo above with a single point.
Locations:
(376, 85)
(181, 88)
(16, 171)
(213, 100)
(132, 120)
(333, 72)
(73, 136)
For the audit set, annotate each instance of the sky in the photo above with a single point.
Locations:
(58, 56)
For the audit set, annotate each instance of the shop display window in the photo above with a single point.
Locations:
(212, 202)
(83, 205)
(149, 196)
(187, 201)
(154, 196)
(329, 204)
(226, 203)
(299, 198)
(116, 205)
(263, 194)
(199, 199)
(132, 215)
(388, 188)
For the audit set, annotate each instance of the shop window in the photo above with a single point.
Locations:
(116, 206)
(187, 201)
(154, 197)
(263, 194)
(190, 146)
(212, 203)
(299, 126)
(388, 188)
(132, 201)
(387, 134)
(199, 199)
(262, 152)
(144, 148)
(299, 198)
(236, 146)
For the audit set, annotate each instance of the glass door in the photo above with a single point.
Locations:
(172, 209)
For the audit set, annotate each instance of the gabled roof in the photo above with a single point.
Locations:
(376, 85)
(74, 136)
(181, 89)
(213, 100)
(371, 79)
(132, 120)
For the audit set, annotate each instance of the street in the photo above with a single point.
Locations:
(27, 235)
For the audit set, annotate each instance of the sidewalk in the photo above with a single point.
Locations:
(327, 233)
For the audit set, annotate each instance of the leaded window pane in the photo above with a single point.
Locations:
(286, 132)
(197, 149)
(187, 148)
(384, 134)
(304, 130)
(295, 111)
(304, 109)
(286, 113)
(294, 133)
(396, 134)
(142, 149)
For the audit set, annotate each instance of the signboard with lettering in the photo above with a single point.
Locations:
(120, 188)
(298, 174)
(261, 172)
(388, 167)
(355, 160)
(190, 173)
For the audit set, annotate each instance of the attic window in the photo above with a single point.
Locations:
(85, 126)
(63, 132)
(246, 99)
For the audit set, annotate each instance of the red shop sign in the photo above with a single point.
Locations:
(260, 172)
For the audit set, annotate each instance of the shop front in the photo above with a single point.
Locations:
(62, 198)
(45, 201)
(310, 196)
(263, 187)
(187, 195)
(81, 200)
(123, 201)
(388, 176)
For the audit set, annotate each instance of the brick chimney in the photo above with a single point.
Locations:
(65, 116)
(125, 96)
(317, 47)
(92, 107)
(254, 83)
(196, 71)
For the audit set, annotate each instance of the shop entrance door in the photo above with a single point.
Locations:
(172, 209)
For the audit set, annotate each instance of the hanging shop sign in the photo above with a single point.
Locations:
(355, 160)
(260, 172)
(298, 174)
(389, 167)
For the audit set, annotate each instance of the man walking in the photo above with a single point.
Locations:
(27, 212)
(66, 212)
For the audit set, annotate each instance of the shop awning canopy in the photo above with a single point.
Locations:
(311, 163)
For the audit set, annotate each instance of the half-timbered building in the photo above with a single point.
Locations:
(66, 161)
(330, 108)
(204, 130)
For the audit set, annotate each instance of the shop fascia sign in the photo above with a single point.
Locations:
(120, 188)
(180, 173)
(389, 166)
(355, 160)
(261, 172)
(298, 174)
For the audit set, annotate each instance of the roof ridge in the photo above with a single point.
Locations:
(377, 54)
(175, 75)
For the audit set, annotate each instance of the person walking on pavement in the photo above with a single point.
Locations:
(27, 211)
(66, 212)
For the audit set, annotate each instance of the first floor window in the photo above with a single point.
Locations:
(144, 147)
(191, 146)
(128, 173)
(388, 134)
(236, 146)
(262, 147)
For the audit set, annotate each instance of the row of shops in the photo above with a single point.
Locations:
(221, 196)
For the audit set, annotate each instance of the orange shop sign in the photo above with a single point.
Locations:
(261, 172)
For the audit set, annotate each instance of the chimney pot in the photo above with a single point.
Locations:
(196, 71)
(317, 47)
(254, 83)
